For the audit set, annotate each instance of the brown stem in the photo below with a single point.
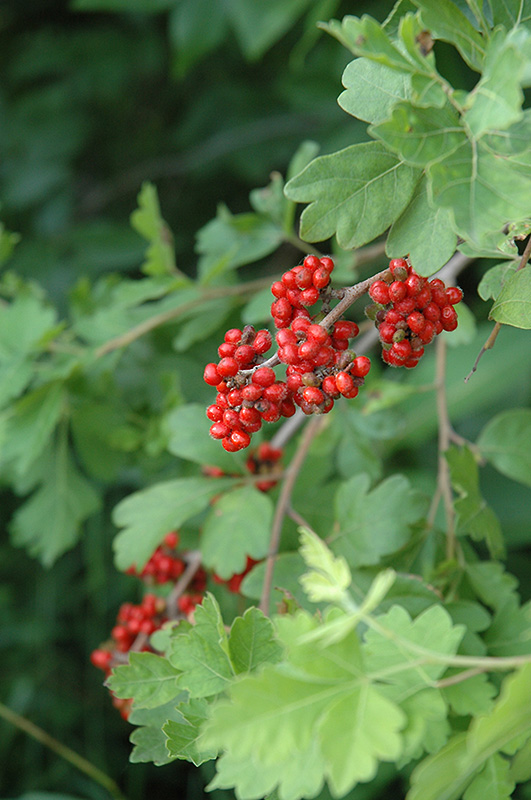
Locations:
(60, 749)
(282, 507)
(194, 562)
(443, 475)
(168, 316)
(489, 344)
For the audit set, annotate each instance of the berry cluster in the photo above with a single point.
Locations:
(319, 365)
(164, 565)
(410, 311)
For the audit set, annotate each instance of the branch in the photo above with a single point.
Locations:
(283, 505)
(62, 750)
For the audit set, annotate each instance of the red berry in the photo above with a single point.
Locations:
(379, 292)
(449, 318)
(278, 289)
(304, 278)
(397, 291)
(214, 413)
(309, 296)
(171, 539)
(321, 278)
(454, 295)
(219, 430)
(263, 376)
(101, 658)
(416, 321)
(228, 367)
(329, 386)
(344, 382)
(312, 262)
(233, 336)
(345, 329)
(211, 375)
(252, 392)
(245, 354)
(313, 395)
(327, 263)
(241, 439)
(361, 366)
(432, 312)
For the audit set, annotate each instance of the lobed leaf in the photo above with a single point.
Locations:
(149, 679)
(356, 193)
(183, 731)
(506, 442)
(513, 304)
(372, 90)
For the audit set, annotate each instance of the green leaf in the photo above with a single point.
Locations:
(24, 324)
(374, 737)
(472, 696)
(8, 241)
(492, 584)
(49, 523)
(149, 740)
(513, 304)
(482, 189)
(258, 26)
(445, 21)
(521, 764)
(474, 516)
(148, 222)
(327, 578)
(425, 232)
(509, 719)
(510, 13)
(366, 37)
(234, 240)
(276, 714)
(437, 776)
(188, 438)
(148, 678)
(182, 733)
(252, 641)
(29, 426)
(397, 640)
(201, 654)
(372, 90)
(496, 102)
(287, 571)
(421, 135)
(510, 632)
(355, 193)
(493, 781)
(242, 517)
(506, 442)
(492, 281)
(119, 6)
(427, 726)
(147, 516)
(374, 523)
(190, 37)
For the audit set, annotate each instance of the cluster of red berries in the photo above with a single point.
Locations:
(248, 394)
(164, 565)
(410, 311)
(319, 365)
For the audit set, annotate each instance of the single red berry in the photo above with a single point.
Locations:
(245, 355)
(287, 408)
(262, 341)
(228, 367)
(312, 262)
(426, 335)
(304, 278)
(361, 366)
(438, 292)
(414, 284)
(449, 318)
(211, 375)
(233, 336)
(171, 539)
(402, 349)
(317, 333)
(416, 321)
(252, 392)
(344, 382)
(329, 386)
(324, 356)
(398, 263)
(309, 296)
(454, 295)
(229, 445)
(214, 413)
(101, 658)
(281, 308)
(226, 349)
(263, 376)
(386, 332)
(327, 263)
(321, 278)
(313, 395)
(397, 291)
(379, 292)
(219, 430)
(345, 329)
(423, 297)
(240, 438)
(432, 312)
(278, 289)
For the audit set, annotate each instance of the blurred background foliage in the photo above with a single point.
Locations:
(205, 98)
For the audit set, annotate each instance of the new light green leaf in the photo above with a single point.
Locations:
(252, 641)
(201, 653)
(427, 728)
(496, 102)
(446, 21)
(356, 193)
(366, 37)
(371, 724)
(371, 523)
(513, 304)
(183, 731)
(506, 442)
(242, 517)
(328, 577)
(397, 640)
(149, 679)
(147, 516)
(474, 516)
(372, 90)
(425, 232)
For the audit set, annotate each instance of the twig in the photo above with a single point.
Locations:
(282, 506)
(82, 764)
(489, 344)
(443, 475)
(194, 562)
(461, 676)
